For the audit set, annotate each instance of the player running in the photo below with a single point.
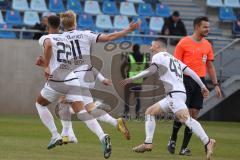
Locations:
(171, 73)
(64, 108)
(81, 42)
(57, 50)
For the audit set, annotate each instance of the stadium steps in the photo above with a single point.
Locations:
(188, 3)
(220, 43)
(229, 87)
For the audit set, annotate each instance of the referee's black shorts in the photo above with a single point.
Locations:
(193, 91)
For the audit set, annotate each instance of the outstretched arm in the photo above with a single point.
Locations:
(112, 36)
(145, 73)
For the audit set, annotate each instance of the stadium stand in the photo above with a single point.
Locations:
(127, 8)
(7, 34)
(110, 7)
(1, 18)
(5, 4)
(156, 24)
(56, 6)
(162, 10)
(38, 5)
(21, 5)
(136, 1)
(103, 22)
(85, 21)
(145, 9)
(74, 5)
(214, 3)
(13, 17)
(148, 40)
(226, 14)
(30, 18)
(232, 3)
(120, 22)
(92, 7)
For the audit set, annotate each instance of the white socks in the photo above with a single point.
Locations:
(47, 119)
(65, 117)
(67, 127)
(91, 123)
(196, 128)
(103, 116)
(150, 125)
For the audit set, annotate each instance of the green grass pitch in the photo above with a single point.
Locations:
(26, 138)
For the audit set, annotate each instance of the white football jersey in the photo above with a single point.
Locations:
(81, 42)
(170, 71)
(61, 51)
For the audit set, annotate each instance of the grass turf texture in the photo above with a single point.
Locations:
(26, 138)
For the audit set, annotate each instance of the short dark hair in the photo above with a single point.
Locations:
(163, 41)
(54, 21)
(176, 14)
(136, 48)
(197, 21)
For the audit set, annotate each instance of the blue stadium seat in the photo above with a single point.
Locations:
(145, 9)
(232, 3)
(144, 25)
(127, 8)
(214, 3)
(74, 5)
(85, 21)
(103, 21)
(162, 10)
(92, 7)
(13, 17)
(5, 4)
(109, 7)
(151, 1)
(148, 40)
(30, 18)
(56, 6)
(120, 22)
(1, 18)
(7, 34)
(21, 5)
(38, 5)
(226, 14)
(156, 24)
(136, 1)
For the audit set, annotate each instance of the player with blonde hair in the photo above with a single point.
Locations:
(81, 42)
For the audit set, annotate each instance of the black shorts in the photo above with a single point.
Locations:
(194, 94)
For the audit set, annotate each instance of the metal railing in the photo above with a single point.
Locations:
(220, 53)
(21, 31)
